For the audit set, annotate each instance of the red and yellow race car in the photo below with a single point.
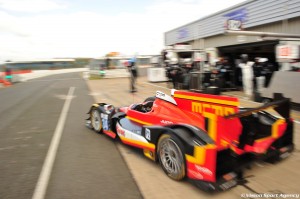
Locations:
(207, 139)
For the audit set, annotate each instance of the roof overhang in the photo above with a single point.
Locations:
(262, 34)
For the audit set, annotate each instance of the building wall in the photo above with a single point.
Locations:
(257, 14)
(226, 40)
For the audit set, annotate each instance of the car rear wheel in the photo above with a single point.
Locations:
(171, 156)
(96, 120)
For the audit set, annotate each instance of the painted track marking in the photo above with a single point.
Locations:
(41, 186)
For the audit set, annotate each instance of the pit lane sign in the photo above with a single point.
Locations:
(232, 24)
(235, 19)
(287, 52)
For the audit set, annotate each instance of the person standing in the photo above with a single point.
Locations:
(133, 74)
(224, 70)
(247, 74)
(258, 79)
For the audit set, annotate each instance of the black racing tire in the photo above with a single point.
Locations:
(96, 120)
(150, 99)
(171, 156)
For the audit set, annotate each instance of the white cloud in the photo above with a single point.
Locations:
(93, 35)
(180, 12)
(30, 5)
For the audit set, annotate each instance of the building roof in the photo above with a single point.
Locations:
(251, 13)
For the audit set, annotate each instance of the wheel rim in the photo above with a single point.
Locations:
(96, 120)
(171, 158)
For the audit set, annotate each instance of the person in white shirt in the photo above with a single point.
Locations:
(247, 74)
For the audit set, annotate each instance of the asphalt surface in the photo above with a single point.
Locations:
(87, 165)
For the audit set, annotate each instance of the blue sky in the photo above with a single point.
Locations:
(32, 29)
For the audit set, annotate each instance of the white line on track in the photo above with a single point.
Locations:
(41, 186)
(47, 80)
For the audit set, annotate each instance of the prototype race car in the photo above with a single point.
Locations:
(205, 138)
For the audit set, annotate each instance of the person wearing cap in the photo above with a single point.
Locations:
(133, 74)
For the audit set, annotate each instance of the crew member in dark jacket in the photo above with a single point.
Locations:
(133, 74)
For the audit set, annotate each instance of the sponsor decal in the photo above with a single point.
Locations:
(165, 97)
(199, 107)
(182, 33)
(160, 94)
(195, 174)
(148, 134)
(166, 122)
(240, 15)
(137, 132)
(204, 170)
(105, 121)
(120, 131)
(104, 116)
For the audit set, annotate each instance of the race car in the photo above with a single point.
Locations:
(207, 139)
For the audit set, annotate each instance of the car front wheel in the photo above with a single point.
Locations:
(96, 120)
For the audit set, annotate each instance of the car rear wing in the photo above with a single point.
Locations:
(280, 104)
